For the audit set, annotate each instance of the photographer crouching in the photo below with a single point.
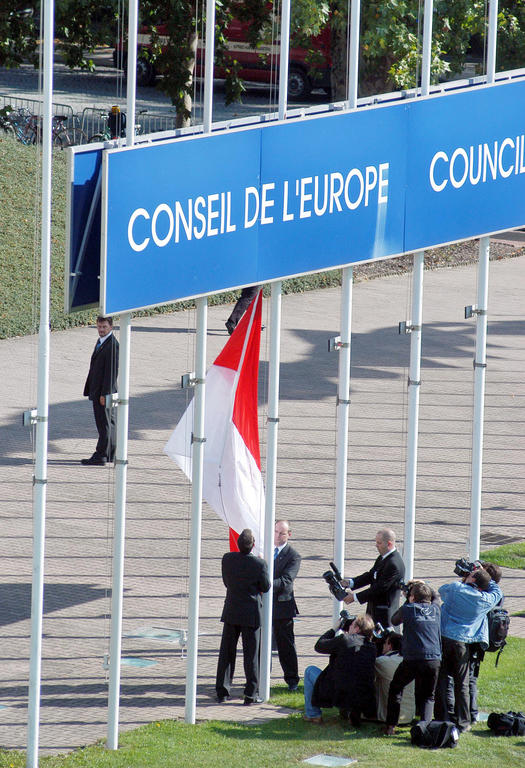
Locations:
(348, 680)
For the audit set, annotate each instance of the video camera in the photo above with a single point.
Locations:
(345, 619)
(464, 567)
(404, 587)
(333, 579)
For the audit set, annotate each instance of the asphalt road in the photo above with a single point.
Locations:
(106, 86)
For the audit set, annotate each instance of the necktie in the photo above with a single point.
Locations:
(275, 552)
(98, 345)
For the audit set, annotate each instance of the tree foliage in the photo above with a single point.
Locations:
(391, 38)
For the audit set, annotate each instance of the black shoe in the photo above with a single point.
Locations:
(222, 699)
(98, 461)
(249, 700)
(230, 326)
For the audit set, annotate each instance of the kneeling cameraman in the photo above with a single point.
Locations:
(348, 680)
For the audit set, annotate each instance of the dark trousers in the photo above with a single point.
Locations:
(285, 642)
(456, 657)
(244, 301)
(105, 421)
(425, 674)
(476, 657)
(227, 655)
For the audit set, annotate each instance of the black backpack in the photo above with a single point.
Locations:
(507, 724)
(434, 735)
(499, 623)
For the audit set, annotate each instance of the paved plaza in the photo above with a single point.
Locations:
(80, 499)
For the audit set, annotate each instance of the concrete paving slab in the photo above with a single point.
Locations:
(80, 503)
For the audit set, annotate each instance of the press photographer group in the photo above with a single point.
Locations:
(425, 675)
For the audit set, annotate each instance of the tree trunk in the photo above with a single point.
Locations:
(338, 51)
(185, 106)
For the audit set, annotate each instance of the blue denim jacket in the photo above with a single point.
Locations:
(464, 611)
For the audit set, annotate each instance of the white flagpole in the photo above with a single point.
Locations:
(480, 359)
(119, 540)
(197, 465)
(40, 476)
(342, 414)
(353, 63)
(284, 53)
(121, 459)
(414, 377)
(208, 66)
(271, 482)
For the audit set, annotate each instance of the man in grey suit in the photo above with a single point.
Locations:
(102, 381)
(285, 569)
(245, 577)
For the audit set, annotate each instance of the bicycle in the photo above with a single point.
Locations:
(114, 126)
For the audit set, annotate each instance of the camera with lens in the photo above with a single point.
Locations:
(346, 619)
(404, 587)
(379, 631)
(333, 579)
(464, 567)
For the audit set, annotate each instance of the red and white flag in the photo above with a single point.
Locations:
(232, 479)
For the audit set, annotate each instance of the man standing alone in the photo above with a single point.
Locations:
(285, 569)
(245, 577)
(102, 381)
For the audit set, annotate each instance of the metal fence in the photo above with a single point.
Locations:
(92, 120)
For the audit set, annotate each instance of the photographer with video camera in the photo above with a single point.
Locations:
(348, 680)
(466, 604)
(421, 651)
(382, 595)
(476, 650)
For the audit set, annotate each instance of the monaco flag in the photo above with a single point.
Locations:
(232, 480)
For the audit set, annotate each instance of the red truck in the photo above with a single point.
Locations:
(260, 65)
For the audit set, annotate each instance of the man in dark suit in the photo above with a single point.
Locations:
(285, 569)
(245, 577)
(383, 579)
(102, 381)
(243, 302)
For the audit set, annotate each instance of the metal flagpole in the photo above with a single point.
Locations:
(480, 366)
(271, 481)
(284, 52)
(117, 585)
(413, 412)
(343, 408)
(481, 309)
(353, 63)
(343, 343)
(208, 65)
(198, 437)
(273, 400)
(198, 440)
(121, 458)
(40, 476)
(414, 376)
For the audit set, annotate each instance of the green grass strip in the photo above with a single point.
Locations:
(507, 556)
(286, 742)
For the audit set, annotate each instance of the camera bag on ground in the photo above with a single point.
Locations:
(507, 723)
(434, 735)
(499, 622)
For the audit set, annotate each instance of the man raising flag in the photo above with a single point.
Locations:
(232, 480)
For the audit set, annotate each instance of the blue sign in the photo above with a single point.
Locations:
(194, 216)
